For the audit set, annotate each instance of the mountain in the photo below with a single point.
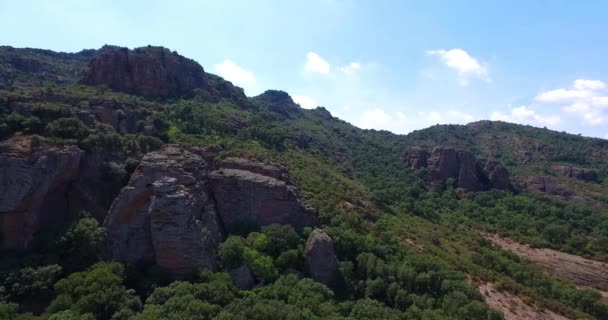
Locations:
(136, 185)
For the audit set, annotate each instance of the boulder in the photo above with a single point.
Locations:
(165, 215)
(34, 182)
(321, 260)
(242, 278)
(251, 195)
(148, 71)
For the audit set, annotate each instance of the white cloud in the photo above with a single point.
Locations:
(305, 102)
(400, 122)
(234, 73)
(586, 99)
(316, 64)
(374, 119)
(582, 84)
(525, 115)
(350, 68)
(464, 64)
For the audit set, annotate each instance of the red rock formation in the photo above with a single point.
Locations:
(148, 71)
(165, 215)
(250, 195)
(34, 182)
(460, 165)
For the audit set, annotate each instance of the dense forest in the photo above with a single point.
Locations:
(405, 249)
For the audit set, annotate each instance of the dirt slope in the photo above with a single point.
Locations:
(578, 270)
(512, 306)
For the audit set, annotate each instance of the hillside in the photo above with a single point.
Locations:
(136, 185)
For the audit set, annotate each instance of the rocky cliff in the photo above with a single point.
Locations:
(165, 215)
(34, 187)
(174, 209)
(147, 71)
(460, 165)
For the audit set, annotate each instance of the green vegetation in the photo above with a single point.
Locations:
(405, 251)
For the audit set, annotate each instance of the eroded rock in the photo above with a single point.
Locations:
(34, 182)
(251, 195)
(467, 171)
(547, 185)
(577, 173)
(166, 215)
(321, 260)
(148, 71)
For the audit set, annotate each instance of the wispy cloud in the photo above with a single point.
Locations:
(234, 73)
(316, 64)
(463, 63)
(585, 99)
(305, 102)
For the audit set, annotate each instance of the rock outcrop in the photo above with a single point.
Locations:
(148, 71)
(547, 185)
(498, 176)
(577, 173)
(250, 195)
(460, 165)
(165, 215)
(174, 210)
(321, 260)
(34, 182)
(415, 158)
(279, 102)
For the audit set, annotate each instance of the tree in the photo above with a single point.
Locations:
(68, 128)
(231, 252)
(99, 291)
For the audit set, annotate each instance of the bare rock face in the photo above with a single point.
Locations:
(415, 157)
(460, 165)
(242, 278)
(166, 215)
(321, 260)
(148, 71)
(498, 176)
(251, 195)
(547, 185)
(577, 173)
(34, 182)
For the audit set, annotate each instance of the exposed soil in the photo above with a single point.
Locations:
(512, 306)
(578, 270)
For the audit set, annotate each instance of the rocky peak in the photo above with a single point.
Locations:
(279, 102)
(148, 71)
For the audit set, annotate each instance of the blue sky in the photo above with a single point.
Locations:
(394, 65)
